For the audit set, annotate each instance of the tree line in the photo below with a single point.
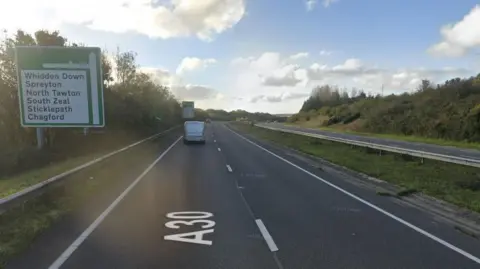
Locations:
(450, 110)
(134, 106)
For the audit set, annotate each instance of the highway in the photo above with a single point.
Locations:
(237, 202)
(444, 150)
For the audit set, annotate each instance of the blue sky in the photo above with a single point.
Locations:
(237, 54)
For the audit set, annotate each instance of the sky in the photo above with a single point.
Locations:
(267, 55)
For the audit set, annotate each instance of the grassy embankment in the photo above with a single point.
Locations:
(351, 129)
(453, 183)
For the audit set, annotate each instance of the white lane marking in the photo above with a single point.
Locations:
(219, 149)
(229, 168)
(417, 229)
(215, 141)
(69, 251)
(266, 235)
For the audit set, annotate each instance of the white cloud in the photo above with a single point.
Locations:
(270, 69)
(156, 19)
(311, 4)
(285, 96)
(355, 73)
(327, 3)
(263, 75)
(281, 86)
(299, 55)
(459, 38)
(181, 90)
(193, 63)
(161, 76)
(194, 92)
(287, 76)
(325, 53)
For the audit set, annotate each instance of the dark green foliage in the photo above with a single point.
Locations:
(222, 115)
(449, 111)
(351, 118)
(133, 104)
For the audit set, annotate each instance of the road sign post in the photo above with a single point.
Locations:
(60, 86)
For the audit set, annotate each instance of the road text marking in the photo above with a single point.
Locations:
(229, 168)
(413, 227)
(190, 218)
(219, 149)
(69, 251)
(266, 235)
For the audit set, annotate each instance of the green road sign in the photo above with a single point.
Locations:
(187, 104)
(188, 110)
(60, 86)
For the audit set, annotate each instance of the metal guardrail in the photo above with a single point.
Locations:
(34, 190)
(416, 153)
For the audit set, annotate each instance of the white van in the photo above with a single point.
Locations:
(194, 131)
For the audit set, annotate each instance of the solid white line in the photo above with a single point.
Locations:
(219, 149)
(229, 168)
(266, 235)
(68, 252)
(74, 170)
(417, 229)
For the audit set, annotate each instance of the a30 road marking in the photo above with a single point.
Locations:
(266, 235)
(190, 218)
(408, 224)
(229, 168)
(69, 251)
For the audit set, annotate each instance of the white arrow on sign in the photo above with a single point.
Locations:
(92, 66)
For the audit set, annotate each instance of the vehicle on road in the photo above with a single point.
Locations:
(194, 131)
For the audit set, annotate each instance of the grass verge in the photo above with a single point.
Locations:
(453, 183)
(84, 191)
(417, 139)
(11, 185)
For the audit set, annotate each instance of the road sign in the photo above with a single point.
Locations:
(60, 86)
(188, 109)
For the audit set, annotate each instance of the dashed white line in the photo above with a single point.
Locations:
(219, 149)
(215, 141)
(365, 202)
(69, 251)
(266, 235)
(229, 168)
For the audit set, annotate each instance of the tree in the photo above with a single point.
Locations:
(125, 66)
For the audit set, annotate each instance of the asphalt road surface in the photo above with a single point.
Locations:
(231, 204)
(445, 150)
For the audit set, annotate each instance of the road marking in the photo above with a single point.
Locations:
(229, 168)
(266, 235)
(58, 177)
(69, 251)
(190, 218)
(219, 149)
(413, 227)
(215, 141)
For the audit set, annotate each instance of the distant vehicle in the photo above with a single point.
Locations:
(194, 131)
(208, 121)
